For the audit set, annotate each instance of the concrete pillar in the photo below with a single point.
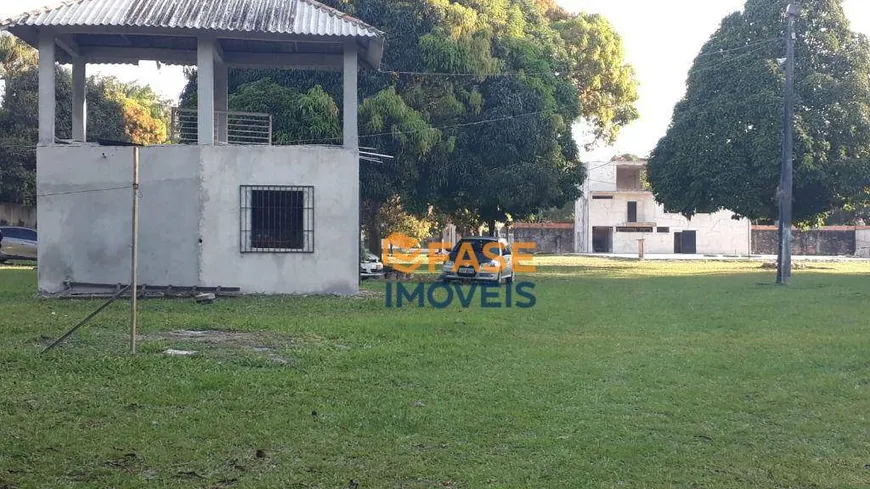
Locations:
(79, 101)
(221, 100)
(205, 91)
(351, 127)
(862, 242)
(47, 96)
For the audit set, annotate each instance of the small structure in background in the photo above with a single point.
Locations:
(617, 209)
(225, 207)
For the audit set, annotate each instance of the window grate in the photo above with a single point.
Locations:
(632, 229)
(277, 219)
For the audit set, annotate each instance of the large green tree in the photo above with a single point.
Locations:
(116, 112)
(723, 148)
(476, 100)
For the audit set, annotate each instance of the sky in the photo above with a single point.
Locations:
(661, 39)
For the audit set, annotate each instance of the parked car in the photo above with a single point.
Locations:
(370, 265)
(499, 269)
(17, 243)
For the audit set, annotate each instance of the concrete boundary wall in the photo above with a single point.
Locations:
(824, 241)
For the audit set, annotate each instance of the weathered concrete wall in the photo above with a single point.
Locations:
(17, 215)
(835, 241)
(86, 207)
(553, 238)
(862, 242)
(716, 233)
(190, 212)
(333, 267)
(582, 228)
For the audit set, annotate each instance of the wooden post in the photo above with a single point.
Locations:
(134, 262)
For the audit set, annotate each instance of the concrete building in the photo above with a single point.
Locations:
(227, 210)
(616, 211)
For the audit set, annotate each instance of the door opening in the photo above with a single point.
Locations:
(602, 239)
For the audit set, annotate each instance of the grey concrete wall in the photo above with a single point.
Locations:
(334, 265)
(17, 215)
(716, 233)
(85, 218)
(862, 243)
(548, 239)
(823, 242)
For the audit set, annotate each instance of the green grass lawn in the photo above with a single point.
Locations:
(624, 374)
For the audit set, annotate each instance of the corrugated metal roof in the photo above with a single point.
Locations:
(299, 17)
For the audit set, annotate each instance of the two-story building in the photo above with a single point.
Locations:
(616, 210)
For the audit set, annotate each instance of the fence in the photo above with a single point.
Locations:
(17, 215)
(242, 128)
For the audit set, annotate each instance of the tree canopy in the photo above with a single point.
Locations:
(723, 148)
(116, 112)
(476, 99)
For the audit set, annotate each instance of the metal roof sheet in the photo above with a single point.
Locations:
(292, 17)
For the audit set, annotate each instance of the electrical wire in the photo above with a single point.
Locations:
(390, 71)
(88, 191)
(453, 126)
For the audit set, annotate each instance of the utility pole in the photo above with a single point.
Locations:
(786, 183)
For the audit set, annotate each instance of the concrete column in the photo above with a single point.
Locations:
(47, 96)
(79, 101)
(205, 91)
(351, 127)
(221, 100)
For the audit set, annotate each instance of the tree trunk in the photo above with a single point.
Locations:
(491, 225)
(373, 237)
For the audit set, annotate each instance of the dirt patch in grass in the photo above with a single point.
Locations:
(795, 266)
(195, 341)
(368, 294)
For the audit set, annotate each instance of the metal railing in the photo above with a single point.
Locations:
(242, 128)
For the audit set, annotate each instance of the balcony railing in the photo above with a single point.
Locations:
(242, 128)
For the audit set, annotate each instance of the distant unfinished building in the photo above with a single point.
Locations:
(616, 210)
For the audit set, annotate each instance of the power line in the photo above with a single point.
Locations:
(73, 192)
(454, 126)
(389, 71)
(769, 40)
(709, 66)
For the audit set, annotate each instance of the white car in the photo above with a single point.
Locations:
(497, 268)
(370, 265)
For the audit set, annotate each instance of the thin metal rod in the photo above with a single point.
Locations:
(134, 262)
(87, 319)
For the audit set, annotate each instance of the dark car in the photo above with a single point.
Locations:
(17, 243)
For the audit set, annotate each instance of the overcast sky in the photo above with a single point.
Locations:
(661, 39)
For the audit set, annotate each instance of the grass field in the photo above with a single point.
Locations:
(624, 374)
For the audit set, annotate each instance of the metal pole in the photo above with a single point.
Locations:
(134, 261)
(85, 320)
(783, 273)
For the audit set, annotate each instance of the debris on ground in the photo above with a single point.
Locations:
(206, 298)
(794, 266)
(179, 353)
(259, 343)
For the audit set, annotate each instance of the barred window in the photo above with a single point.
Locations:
(277, 219)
